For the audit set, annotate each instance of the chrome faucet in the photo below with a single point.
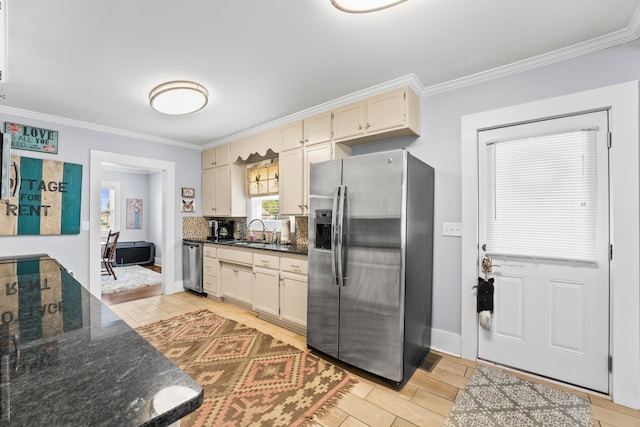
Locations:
(264, 232)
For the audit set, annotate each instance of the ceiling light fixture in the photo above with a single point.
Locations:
(178, 97)
(362, 6)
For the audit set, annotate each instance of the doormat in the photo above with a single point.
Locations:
(130, 277)
(494, 398)
(249, 378)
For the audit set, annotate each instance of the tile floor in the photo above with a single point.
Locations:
(425, 400)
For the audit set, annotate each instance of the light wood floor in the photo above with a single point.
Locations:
(425, 400)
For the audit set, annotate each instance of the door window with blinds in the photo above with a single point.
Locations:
(541, 197)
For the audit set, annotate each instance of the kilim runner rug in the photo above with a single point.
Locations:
(249, 378)
(495, 398)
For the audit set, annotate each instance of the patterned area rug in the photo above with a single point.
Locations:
(249, 378)
(130, 277)
(494, 398)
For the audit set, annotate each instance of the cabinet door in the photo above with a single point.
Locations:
(208, 192)
(266, 295)
(293, 298)
(314, 154)
(349, 122)
(292, 136)
(222, 190)
(291, 182)
(208, 158)
(223, 154)
(386, 111)
(245, 281)
(229, 280)
(317, 129)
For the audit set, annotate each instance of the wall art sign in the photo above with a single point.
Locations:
(188, 192)
(45, 198)
(188, 205)
(134, 214)
(32, 138)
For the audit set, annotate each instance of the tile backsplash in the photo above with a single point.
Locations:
(197, 228)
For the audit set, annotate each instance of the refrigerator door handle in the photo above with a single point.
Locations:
(334, 232)
(340, 234)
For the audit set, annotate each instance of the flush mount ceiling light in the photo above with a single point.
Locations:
(178, 97)
(362, 6)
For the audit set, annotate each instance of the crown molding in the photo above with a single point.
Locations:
(632, 32)
(410, 80)
(95, 127)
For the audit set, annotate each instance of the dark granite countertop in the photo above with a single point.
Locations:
(276, 247)
(78, 363)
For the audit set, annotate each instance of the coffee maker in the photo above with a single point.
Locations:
(224, 230)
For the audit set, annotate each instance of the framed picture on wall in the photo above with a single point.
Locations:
(134, 214)
(188, 192)
(187, 205)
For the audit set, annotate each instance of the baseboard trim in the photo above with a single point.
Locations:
(446, 342)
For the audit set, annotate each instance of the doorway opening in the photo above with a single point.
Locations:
(165, 184)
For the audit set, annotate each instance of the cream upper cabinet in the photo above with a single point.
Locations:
(216, 156)
(208, 192)
(291, 182)
(349, 122)
(224, 191)
(388, 115)
(292, 136)
(294, 174)
(317, 129)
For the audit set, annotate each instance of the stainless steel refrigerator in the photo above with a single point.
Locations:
(371, 261)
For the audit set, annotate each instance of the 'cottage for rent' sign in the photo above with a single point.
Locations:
(31, 138)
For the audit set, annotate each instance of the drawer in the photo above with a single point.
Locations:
(210, 266)
(294, 265)
(209, 251)
(239, 256)
(263, 259)
(210, 284)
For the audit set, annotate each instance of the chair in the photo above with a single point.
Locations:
(109, 253)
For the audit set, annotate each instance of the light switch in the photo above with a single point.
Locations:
(85, 225)
(452, 229)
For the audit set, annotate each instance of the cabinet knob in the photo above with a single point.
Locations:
(302, 141)
(360, 127)
(368, 125)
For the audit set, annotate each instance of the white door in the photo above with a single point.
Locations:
(544, 221)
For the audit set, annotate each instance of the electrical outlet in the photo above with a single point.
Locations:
(85, 225)
(452, 229)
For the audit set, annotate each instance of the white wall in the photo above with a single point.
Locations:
(439, 146)
(75, 145)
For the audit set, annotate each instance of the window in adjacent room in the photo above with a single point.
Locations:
(109, 213)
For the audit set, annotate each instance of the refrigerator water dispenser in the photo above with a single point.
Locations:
(323, 229)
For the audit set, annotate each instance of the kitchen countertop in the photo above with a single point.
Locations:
(78, 363)
(276, 247)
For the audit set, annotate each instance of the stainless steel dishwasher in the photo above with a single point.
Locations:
(192, 266)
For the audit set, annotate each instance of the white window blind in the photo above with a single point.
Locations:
(542, 197)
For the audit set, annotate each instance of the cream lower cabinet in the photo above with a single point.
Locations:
(293, 289)
(237, 282)
(272, 285)
(266, 277)
(236, 274)
(210, 272)
(293, 298)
